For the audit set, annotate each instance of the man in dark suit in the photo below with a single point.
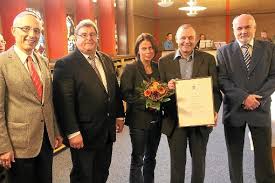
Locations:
(88, 106)
(187, 63)
(28, 129)
(247, 79)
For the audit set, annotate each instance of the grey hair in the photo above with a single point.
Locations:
(243, 15)
(183, 27)
(86, 23)
(25, 13)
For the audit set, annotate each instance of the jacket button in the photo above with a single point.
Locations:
(41, 120)
(108, 114)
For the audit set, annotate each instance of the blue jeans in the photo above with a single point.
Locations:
(145, 144)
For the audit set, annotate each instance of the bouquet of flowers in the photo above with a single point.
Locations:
(154, 93)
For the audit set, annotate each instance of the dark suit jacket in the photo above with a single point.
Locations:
(236, 83)
(204, 65)
(137, 116)
(81, 101)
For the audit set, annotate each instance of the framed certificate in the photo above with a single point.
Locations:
(195, 102)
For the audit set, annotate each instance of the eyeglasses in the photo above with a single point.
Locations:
(3, 42)
(85, 36)
(27, 29)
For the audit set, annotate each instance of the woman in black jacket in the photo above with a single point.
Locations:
(144, 124)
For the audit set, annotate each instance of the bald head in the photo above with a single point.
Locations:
(244, 27)
(242, 17)
(18, 17)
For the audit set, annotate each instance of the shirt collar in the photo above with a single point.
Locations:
(87, 56)
(22, 55)
(178, 56)
(251, 43)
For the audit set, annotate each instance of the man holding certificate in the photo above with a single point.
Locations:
(247, 79)
(187, 63)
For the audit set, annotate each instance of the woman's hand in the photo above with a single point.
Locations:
(172, 84)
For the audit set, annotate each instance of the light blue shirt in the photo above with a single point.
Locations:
(168, 45)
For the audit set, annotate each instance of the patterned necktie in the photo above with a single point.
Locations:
(35, 78)
(93, 64)
(246, 55)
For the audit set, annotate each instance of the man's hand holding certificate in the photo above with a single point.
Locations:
(195, 102)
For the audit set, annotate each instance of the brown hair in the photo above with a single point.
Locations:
(147, 37)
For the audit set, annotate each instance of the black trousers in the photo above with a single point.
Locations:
(198, 139)
(3, 175)
(34, 170)
(91, 166)
(261, 137)
(145, 144)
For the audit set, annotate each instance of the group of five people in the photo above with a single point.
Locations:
(84, 109)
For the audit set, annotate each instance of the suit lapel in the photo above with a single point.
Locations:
(142, 70)
(107, 73)
(237, 56)
(175, 66)
(44, 78)
(197, 62)
(257, 53)
(23, 74)
(86, 66)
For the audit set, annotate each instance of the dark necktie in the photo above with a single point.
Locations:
(35, 78)
(246, 55)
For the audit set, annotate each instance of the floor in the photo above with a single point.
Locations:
(216, 161)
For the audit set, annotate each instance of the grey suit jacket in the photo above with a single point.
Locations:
(237, 83)
(204, 65)
(22, 116)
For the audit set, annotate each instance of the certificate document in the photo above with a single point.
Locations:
(195, 102)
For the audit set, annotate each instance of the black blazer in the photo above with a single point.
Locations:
(137, 116)
(236, 83)
(204, 65)
(81, 101)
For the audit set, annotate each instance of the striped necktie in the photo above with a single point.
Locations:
(35, 78)
(93, 64)
(246, 55)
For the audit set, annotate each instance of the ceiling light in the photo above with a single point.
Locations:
(165, 3)
(192, 8)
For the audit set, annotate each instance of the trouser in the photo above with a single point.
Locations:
(261, 137)
(91, 165)
(34, 170)
(3, 175)
(145, 144)
(198, 139)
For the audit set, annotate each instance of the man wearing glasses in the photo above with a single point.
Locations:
(28, 130)
(88, 106)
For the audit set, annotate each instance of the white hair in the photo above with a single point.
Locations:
(235, 20)
(86, 23)
(183, 27)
